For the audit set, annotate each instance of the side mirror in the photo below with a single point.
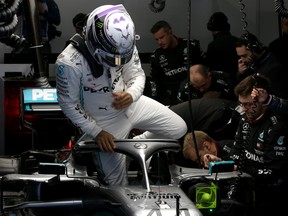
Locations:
(221, 166)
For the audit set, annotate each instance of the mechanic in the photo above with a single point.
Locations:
(169, 61)
(206, 145)
(216, 116)
(104, 97)
(256, 58)
(221, 54)
(260, 148)
(206, 83)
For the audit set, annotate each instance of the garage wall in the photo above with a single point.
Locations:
(260, 15)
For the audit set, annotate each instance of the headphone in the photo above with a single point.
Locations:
(252, 43)
(210, 23)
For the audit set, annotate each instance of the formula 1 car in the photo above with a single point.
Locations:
(70, 186)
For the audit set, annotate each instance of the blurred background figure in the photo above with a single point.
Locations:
(78, 22)
(279, 46)
(49, 18)
(221, 54)
(257, 58)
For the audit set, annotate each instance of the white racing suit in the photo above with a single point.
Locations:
(87, 102)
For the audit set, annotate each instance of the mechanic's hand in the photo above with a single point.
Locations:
(105, 141)
(259, 93)
(207, 158)
(122, 100)
(242, 66)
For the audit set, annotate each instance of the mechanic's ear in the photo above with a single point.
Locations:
(206, 146)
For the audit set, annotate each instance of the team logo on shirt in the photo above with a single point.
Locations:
(162, 58)
(185, 51)
(245, 126)
(261, 136)
(280, 140)
(280, 150)
(60, 70)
